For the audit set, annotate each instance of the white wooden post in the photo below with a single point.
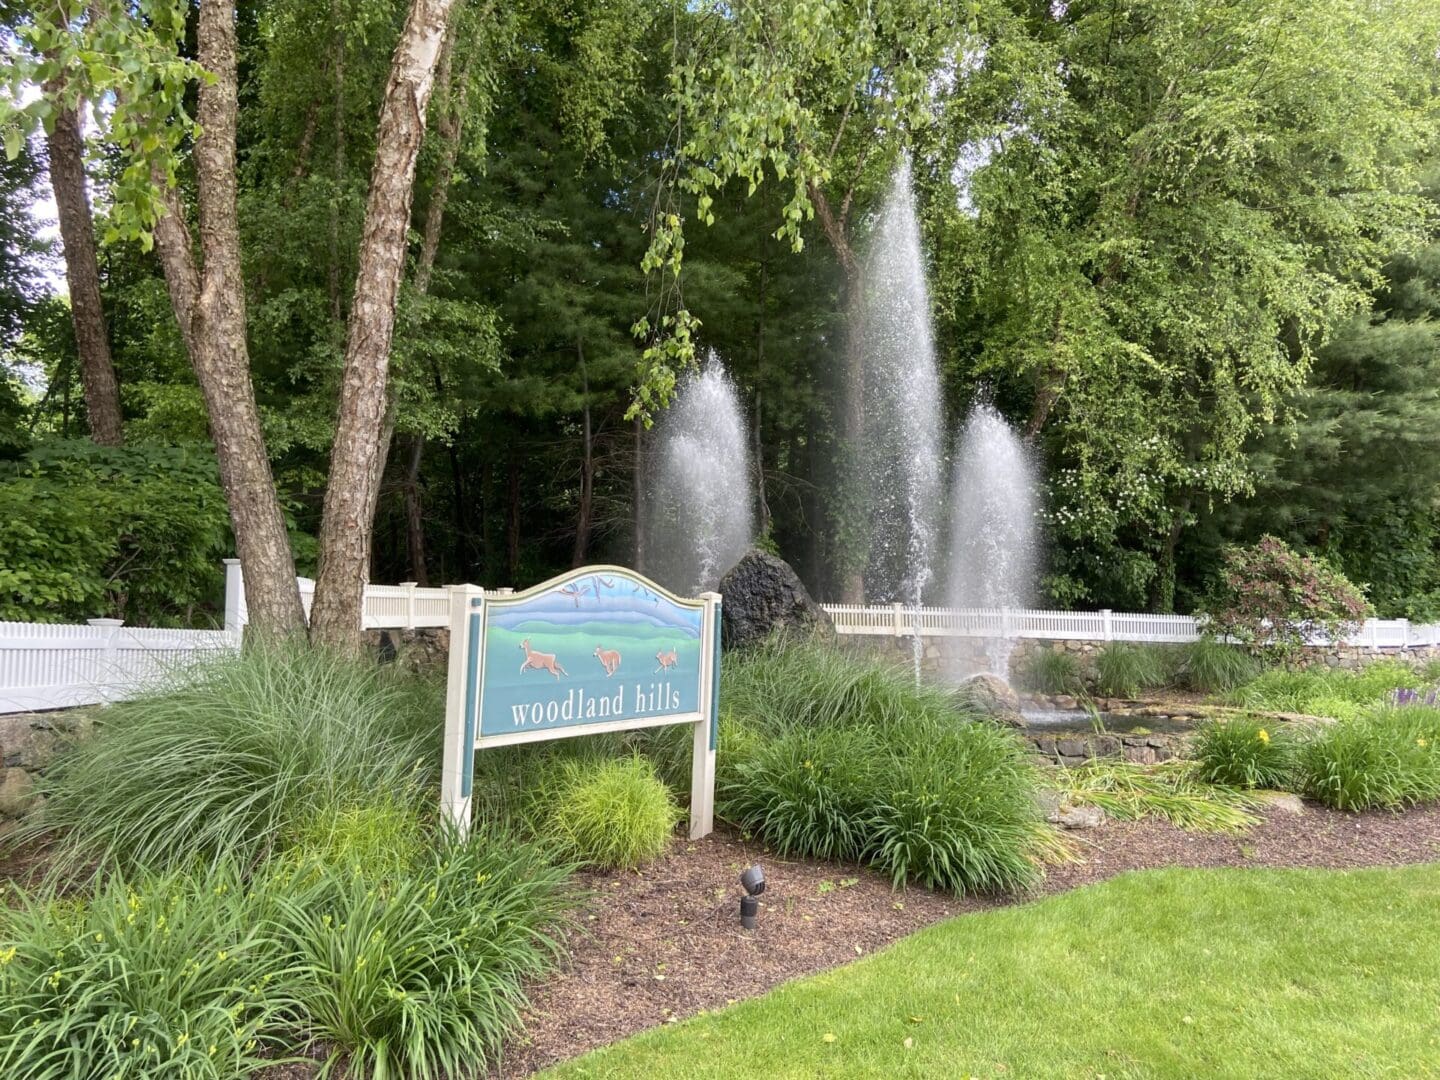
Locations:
(459, 752)
(1404, 634)
(1374, 634)
(409, 587)
(109, 682)
(236, 612)
(898, 618)
(702, 764)
(1107, 632)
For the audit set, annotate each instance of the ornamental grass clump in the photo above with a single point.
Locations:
(1332, 692)
(1208, 666)
(237, 755)
(613, 813)
(1124, 670)
(847, 758)
(1385, 759)
(1245, 753)
(1051, 672)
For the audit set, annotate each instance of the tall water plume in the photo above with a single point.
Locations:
(700, 519)
(900, 459)
(993, 505)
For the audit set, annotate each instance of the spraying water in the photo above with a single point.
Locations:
(700, 520)
(992, 523)
(901, 460)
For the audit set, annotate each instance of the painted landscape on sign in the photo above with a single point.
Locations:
(591, 650)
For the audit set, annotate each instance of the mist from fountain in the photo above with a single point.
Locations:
(993, 505)
(700, 519)
(901, 459)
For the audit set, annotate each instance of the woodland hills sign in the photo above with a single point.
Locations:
(598, 649)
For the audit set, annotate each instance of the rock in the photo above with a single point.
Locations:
(990, 694)
(1075, 748)
(17, 790)
(1287, 803)
(762, 595)
(1066, 703)
(1079, 817)
(37, 751)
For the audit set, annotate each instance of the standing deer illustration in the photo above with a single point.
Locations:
(609, 659)
(666, 660)
(540, 661)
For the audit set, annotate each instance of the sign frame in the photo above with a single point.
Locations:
(471, 611)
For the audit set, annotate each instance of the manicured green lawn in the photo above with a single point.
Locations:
(1173, 973)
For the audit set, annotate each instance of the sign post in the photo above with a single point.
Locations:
(598, 649)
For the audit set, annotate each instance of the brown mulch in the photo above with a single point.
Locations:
(663, 943)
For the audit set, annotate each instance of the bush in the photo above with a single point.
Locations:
(612, 813)
(1123, 669)
(165, 977)
(1385, 759)
(1244, 753)
(844, 758)
(1209, 666)
(1050, 672)
(421, 976)
(1271, 599)
(236, 756)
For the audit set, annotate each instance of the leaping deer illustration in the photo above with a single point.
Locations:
(609, 659)
(666, 660)
(540, 661)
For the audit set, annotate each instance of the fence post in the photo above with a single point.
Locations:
(1105, 630)
(236, 612)
(409, 587)
(1404, 634)
(1374, 625)
(898, 616)
(107, 662)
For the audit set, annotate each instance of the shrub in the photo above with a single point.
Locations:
(238, 755)
(165, 976)
(1386, 759)
(1271, 599)
(956, 810)
(1050, 672)
(421, 976)
(1123, 669)
(1212, 667)
(1244, 753)
(611, 813)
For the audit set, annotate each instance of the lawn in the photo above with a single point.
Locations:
(1168, 973)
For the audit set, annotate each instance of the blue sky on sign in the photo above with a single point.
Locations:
(607, 597)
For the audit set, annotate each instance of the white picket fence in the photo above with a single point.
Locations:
(58, 666)
(901, 620)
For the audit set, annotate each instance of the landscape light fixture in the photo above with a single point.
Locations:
(753, 880)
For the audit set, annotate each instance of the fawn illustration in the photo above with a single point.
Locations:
(666, 660)
(609, 659)
(541, 661)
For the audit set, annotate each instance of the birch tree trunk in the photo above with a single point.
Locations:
(209, 304)
(346, 528)
(66, 150)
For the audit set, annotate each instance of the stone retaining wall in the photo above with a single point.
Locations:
(28, 743)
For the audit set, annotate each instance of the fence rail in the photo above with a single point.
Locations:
(901, 620)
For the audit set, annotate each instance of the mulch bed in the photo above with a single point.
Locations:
(663, 943)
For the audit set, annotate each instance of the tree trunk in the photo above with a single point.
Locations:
(414, 519)
(587, 471)
(82, 273)
(346, 527)
(338, 168)
(209, 304)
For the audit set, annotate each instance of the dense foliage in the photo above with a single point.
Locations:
(1188, 247)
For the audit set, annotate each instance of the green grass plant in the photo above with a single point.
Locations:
(241, 754)
(1123, 669)
(1170, 791)
(1244, 752)
(1388, 758)
(1208, 666)
(1167, 975)
(1337, 693)
(1050, 672)
(612, 812)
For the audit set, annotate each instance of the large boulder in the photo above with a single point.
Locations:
(762, 594)
(991, 695)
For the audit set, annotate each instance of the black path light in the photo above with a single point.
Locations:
(753, 880)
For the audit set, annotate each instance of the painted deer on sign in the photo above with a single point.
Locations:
(540, 661)
(609, 659)
(666, 660)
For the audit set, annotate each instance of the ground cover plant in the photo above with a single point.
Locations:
(1339, 693)
(1177, 973)
(1172, 790)
(838, 757)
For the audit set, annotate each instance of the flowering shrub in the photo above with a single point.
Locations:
(1271, 599)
